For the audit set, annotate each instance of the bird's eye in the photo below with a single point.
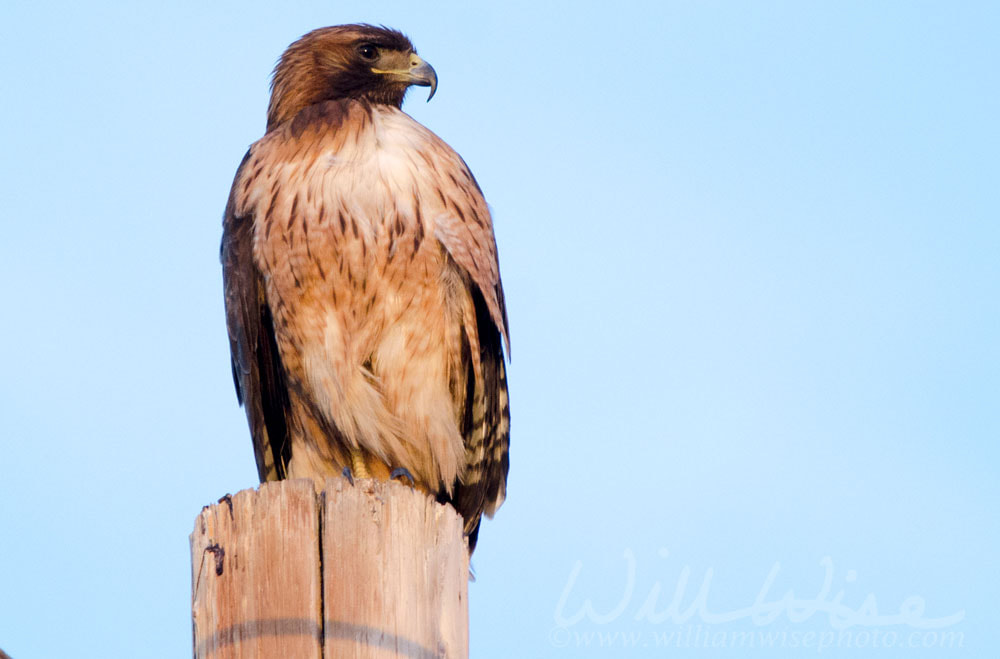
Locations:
(368, 51)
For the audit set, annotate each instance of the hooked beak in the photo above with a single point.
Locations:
(423, 74)
(418, 72)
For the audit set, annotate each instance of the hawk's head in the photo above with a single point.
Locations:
(346, 61)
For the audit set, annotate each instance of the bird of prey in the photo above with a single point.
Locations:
(366, 317)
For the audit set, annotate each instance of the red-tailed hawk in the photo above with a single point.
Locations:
(363, 298)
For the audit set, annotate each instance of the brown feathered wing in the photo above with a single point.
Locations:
(257, 371)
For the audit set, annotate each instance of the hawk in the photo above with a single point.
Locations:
(366, 317)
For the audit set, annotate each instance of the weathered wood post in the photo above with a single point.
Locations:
(370, 570)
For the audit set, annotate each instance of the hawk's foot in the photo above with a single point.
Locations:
(346, 473)
(400, 473)
(358, 465)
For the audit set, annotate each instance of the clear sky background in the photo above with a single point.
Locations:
(750, 253)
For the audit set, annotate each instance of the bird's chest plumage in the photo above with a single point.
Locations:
(364, 304)
(341, 232)
(361, 255)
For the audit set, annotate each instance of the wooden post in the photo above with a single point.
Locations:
(371, 570)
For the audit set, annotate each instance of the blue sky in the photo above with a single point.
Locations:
(750, 256)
